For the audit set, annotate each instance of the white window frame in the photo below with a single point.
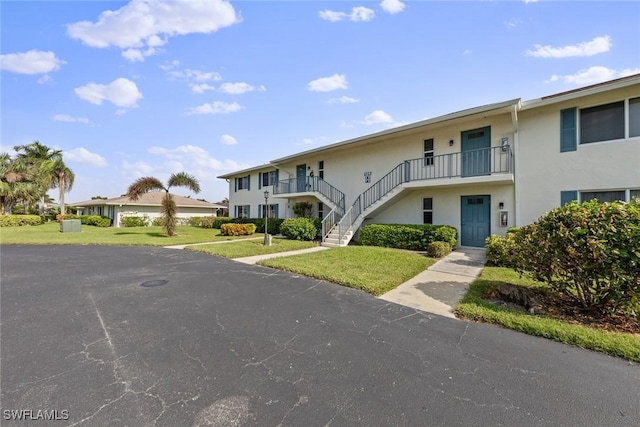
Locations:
(627, 121)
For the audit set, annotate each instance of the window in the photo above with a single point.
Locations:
(242, 211)
(427, 210)
(320, 210)
(606, 122)
(242, 183)
(268, 178)
(603, 196)
(428, 152)
(634, 117)
(634, 193)
(268, 211)
(602, 123)
(321, 169)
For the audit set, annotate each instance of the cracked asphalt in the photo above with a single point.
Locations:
(227, 344)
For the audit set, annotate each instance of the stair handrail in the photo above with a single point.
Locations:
(314, 184)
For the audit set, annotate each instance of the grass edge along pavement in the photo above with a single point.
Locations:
(49, 234)
(242, 249)
(371, 269)
(474, 306)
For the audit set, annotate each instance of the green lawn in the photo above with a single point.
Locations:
(474, 307)
(371, 269)
(49, 234)
(253, 247)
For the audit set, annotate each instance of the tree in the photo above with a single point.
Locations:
(16, 183)
(47, 168)
(168, 206)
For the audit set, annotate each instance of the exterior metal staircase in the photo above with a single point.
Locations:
(338, 230)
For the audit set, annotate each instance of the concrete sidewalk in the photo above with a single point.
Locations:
(440, 287)
(254, 259)
(211, 243)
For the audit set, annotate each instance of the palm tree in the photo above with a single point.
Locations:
(61, 177)
(45, 165)
(168, 206)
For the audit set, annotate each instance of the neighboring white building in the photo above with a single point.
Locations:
(147, 206)
(480, 170)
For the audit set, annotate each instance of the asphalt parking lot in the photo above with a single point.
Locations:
(137, 336)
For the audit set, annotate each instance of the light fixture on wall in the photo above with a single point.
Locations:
(451, 143)
(501, 205)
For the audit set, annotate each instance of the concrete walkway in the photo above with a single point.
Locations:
(212, 243)
(256, 258)
(440, 287)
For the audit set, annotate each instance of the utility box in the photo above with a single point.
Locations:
(70, 226)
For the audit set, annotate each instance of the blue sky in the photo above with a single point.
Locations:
(147, 88)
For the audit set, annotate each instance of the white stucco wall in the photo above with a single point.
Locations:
(407, 207)
(544, 171)
(255, 195)
(152, 212)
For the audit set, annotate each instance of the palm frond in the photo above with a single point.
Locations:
(144, 185)
(183, 179)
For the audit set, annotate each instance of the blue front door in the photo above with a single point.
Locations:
(476, 152)
(301, 177)
(475, 224)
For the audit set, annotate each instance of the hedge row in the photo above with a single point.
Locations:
(416, 237)
(231, 229)
(299, 228)
(19, 220)
(95, 220)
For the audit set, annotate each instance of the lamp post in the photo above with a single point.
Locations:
(267, 238)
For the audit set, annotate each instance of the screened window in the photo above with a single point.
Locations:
(602, 123)
(320, 210)
(268, 178)
(603, 196)
(243, 183)
(427, 210)
(428, 152)
(269, 211)
(634, 117)
(242, 211)
(321, 169)
(635, 193)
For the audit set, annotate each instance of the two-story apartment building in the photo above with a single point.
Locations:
(480, 170)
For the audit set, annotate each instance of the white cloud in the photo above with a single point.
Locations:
(317, 140)
(194, 157)
(201, 88)
(590, 48)
(196, 75)
(120, 92)
(240, 88)
(170, 65)
(44, 79)
(466, 52)
(377, 116)
(216, 107)
(143, 25)
(343, 100)
(228, 140)
(513, 22)
(392, 6)
(31, 62)
(327, 84)
(592, 75)
(82, 155)
(120, 111)
(70, 119)
(358, 14)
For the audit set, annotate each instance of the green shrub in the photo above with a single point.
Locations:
(133, 221)
(589, 252)
(438, 249)
(217, 221)
(19, 220)
(302, 209)
(195, 221)
(501, 249)
(231, 229)
(273, 227)
(17, 210)
(298, 229)
(156, 222)
(414, 237)
(95, 220)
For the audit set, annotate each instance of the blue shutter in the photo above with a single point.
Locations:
(259, 211)
(248, 211)
(248, 182)
(277, 175)
(235, 185)
(259, 180)
(568, 197)
(276, 211)
(568, 130)
(235, 211)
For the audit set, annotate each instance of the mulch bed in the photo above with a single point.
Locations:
(560, 307)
